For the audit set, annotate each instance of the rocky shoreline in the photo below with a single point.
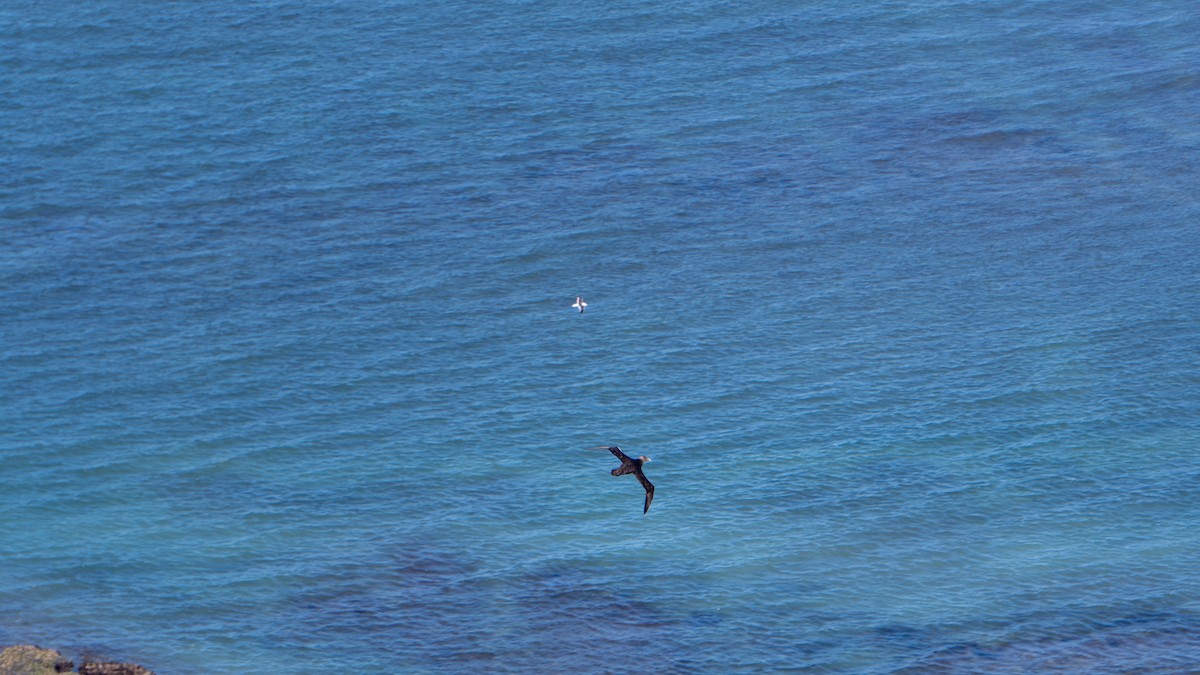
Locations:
(31, 660)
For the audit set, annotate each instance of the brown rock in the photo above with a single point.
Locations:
(112, 668)
(31, 660)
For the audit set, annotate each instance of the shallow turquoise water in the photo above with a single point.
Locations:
(900, 300)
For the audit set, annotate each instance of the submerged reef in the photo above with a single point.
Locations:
(31, 660)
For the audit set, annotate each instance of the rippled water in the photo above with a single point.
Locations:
(899, 298)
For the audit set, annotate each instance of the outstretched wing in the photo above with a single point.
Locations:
(620, 455)
(649, 490)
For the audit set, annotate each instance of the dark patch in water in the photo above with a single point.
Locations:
(433, 609)
(1143, 644)
(574, 623)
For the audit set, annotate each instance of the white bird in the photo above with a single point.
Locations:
(579, 304)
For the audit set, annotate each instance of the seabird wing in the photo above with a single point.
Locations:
(649, 490)
(620, 455)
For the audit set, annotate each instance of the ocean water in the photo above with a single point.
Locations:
(900, 297)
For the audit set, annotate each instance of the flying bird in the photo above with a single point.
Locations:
(579, 304)
(633, 466)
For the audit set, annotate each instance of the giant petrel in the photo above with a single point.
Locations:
(633, 466)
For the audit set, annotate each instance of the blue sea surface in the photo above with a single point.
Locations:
(900, 297)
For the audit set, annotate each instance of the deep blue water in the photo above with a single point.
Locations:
(901, 299)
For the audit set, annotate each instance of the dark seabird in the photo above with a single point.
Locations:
(579, 304)
(633, 466)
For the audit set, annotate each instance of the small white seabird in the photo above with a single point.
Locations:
(579, 304)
